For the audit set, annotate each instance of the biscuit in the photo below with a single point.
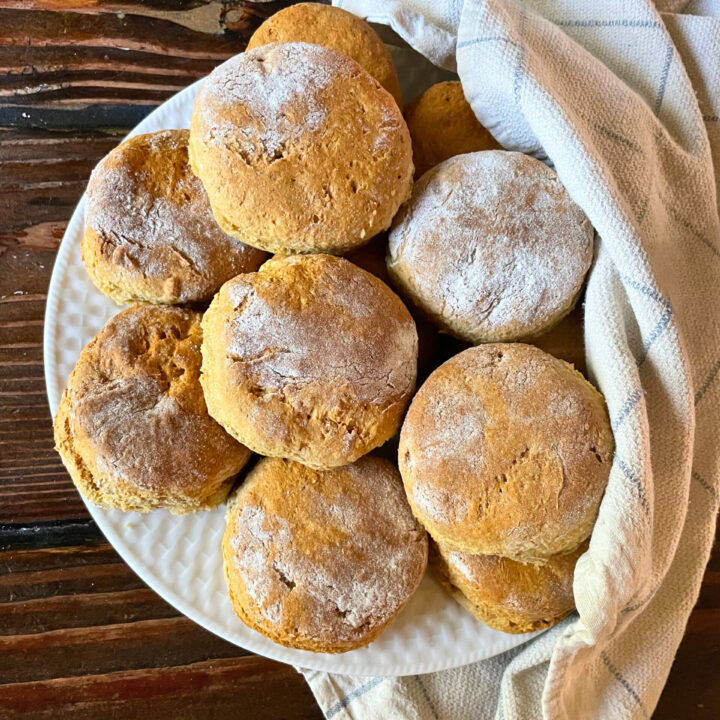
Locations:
(491, 247)
(506, 450)
(322, 560)
(300, 149)
(443, 125)
(311, 359)
(132, 427)
(149, 233)
(336, 29)
(507, 595)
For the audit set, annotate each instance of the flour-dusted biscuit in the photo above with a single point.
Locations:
(300, 149)
(132, 427)
(442, 124)
(507, 595)
(149, 233)
(491, 247)
(322, 560)
(506, 450)
(334, 28)
(310, 358)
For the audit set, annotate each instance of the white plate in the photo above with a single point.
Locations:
(179, 557)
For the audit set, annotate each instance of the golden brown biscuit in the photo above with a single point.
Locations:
(322, 560)
(149, 233)
(566, 341)
(506, 450)
(336, 29)
(491, 247)
(507, 595)
(132, 427)
(442, 125)
(311, 359)
(300, 149)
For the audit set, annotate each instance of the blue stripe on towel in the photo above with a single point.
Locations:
(606, 23)
(636, 482)
(621, 679)
(709, 380)
(424, 691)
(663, 77)
(356, 693)
(705, 485)
(627, 407)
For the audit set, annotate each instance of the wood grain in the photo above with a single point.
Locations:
(80, 635)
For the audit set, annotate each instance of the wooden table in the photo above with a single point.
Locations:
(80, 635)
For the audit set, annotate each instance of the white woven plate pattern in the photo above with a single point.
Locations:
(179, 557)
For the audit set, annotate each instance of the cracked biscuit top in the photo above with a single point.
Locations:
(300, 149)
(322, 560)
(310, 358)
(491, 247)
(132, 426)
(506, 450)
(149, 233)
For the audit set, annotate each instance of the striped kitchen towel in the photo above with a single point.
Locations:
(623, 100)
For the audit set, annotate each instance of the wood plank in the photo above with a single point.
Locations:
(248, 687)
(67, 580)
(48, 558)
(80, 610)
(71, 652)
(81, 634)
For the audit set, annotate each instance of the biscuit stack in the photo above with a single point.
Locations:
(298, 148)
(505, 454)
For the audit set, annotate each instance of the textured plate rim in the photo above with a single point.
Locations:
(255, 642)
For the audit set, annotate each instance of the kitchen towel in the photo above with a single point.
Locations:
(622, 98)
